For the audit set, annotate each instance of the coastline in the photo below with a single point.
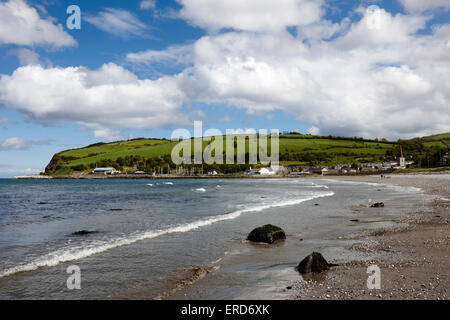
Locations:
(414, 260)
(372, 176)
(412, 255)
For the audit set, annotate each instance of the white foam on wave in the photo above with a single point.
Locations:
(395, 187)
(200, 189)
(150, 184)
(98, 246)
(168, 183)
(319, 186)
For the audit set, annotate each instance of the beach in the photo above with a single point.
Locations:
(411, 251)
(414, 259)
(186, 238)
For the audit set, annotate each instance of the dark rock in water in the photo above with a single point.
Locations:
(314, 262)
(83, 232)
(42, 202)
(354, 220)
(268, 234)
(377, 205)
(114, 209)
(316, 204)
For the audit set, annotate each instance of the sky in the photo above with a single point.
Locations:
(377, 69)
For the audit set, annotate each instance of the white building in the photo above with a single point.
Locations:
(105, 171)
(266, 171)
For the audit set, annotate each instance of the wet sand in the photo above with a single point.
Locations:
(268, 272)
(414, 260)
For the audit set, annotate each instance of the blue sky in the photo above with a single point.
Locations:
(144, 68)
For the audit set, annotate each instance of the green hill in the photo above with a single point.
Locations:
(295, 150)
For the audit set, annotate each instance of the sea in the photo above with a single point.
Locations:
(148, 239)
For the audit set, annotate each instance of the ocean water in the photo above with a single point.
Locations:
(149, 233)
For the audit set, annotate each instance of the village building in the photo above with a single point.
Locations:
(279, 170)
(445, 160)
(266, 172)
(252, 171)
(105, 171)
(320, 170)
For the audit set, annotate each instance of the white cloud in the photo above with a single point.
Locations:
(250, 15)
(118, 22)
(108, 135)
(108, 97)
(424, 5)
(14, 144)
(375, 77)
(19, 143)
(313, 130)
(18, 171)
(173, 54)
(21, 24)
(147, 4)
(378, 27)
(387, 82)
(4, 120)
(25, 56)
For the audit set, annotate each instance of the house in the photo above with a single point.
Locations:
(320, 170)
(105, 171)
(252, 171)
(212, 173)
(266, 172)
(279, 169)
(409, 164)
(445, 159)
(304, 170)
(371, 166)
(340, 166)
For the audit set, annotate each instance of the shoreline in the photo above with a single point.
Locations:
(226, 176)
(414, 260)
(413, 256)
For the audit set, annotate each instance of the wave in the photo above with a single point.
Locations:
(395, 187)
(79, 252)
(169, 183)
(319, 186)
(200, 189)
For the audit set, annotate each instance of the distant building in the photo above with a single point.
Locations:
(401, 160)
(445, 160)
(252, 171)
(320, 170)
(266, 171)
(279, 169)
(105, 171)
(371, 166)
(340, 166)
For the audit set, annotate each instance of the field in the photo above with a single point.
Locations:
(439, 140)
(295, 150)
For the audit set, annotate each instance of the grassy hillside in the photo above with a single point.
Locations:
(439, 140)
(295, 149)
